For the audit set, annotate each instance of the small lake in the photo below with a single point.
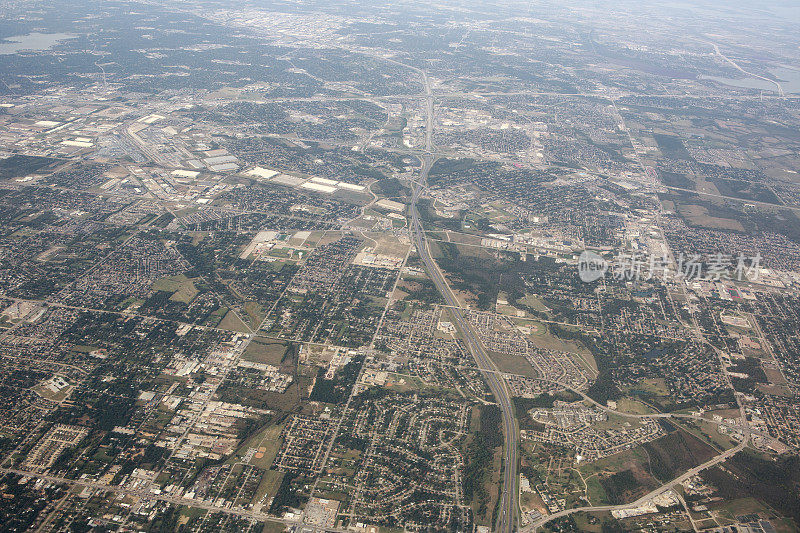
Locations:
(32, 41)
(788, 77)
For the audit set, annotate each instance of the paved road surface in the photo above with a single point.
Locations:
(663, 488)
(506, 519)
(147, 495)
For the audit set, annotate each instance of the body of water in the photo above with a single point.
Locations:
(32, 42)
(788, 77)
(744, 83)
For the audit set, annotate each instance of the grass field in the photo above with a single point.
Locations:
(273, 527)
(654, 387)
(181, 287)
(632, 406)
(536, 327)
(734, 508)
(616, 462)
(697, 215)
(267, 351)
(270, 482)
(586, 360)
(530, 501)
(269, 439)
(708, 433)
(188, 513)
(775, 376)
(255, 313)
(232, 322)
(83, 348)
(595, 491)
(534, 303)
(513, 364)
(548, 341)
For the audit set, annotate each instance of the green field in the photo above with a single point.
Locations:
(633, 406)
(268, 486)
(262, 350)
(181, 287)
(232, 322)
(513, 364)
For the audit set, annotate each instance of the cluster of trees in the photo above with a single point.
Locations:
(285, 497)
(479, 457)
(337, 389)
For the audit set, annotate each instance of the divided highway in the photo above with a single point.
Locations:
(506, 519)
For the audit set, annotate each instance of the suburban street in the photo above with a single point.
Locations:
(148, 495)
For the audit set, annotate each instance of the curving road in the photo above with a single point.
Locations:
(650, 495)
(506, 519)
(746, 73)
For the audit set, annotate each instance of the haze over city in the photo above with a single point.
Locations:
(332, 266)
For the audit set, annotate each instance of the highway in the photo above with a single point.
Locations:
(506, 519)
